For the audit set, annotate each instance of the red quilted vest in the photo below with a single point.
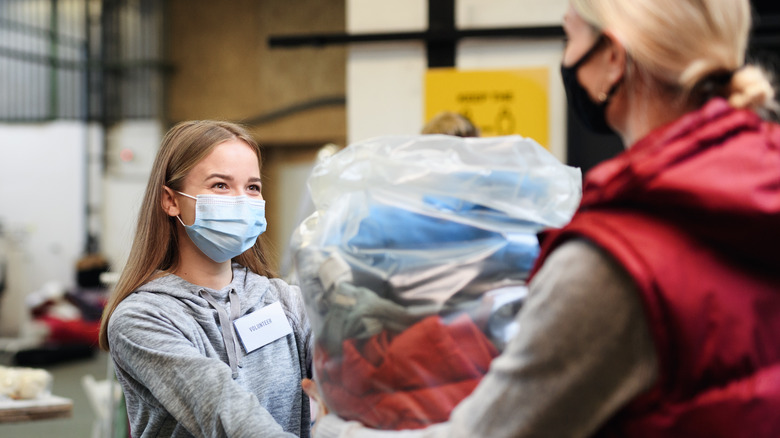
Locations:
(692, 213)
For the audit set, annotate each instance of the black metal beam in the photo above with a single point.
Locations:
(441, 18)
(327, 39)
(294, 109)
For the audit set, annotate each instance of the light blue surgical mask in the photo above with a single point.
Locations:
(225, 226)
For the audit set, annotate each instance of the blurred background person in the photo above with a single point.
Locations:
(450, 123)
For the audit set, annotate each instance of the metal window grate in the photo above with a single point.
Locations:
(81, 59)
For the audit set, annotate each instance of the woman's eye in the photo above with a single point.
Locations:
(220, 185)
(254, 188)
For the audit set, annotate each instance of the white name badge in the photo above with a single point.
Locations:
(262, 327)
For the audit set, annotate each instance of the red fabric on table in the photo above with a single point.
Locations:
(75, 331)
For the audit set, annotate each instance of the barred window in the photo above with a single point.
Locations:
(81, 59)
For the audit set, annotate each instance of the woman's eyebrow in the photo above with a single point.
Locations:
(219, 175)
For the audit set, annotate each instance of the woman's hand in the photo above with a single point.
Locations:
(311, 389)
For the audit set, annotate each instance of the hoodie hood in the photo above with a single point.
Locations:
(227, 302)
(715, 173)
(253, 289)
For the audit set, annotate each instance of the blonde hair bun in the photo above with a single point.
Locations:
(751, 88)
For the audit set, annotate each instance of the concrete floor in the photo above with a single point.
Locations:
(67, 383)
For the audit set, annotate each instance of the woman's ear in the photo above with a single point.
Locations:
(616, 59)
(169, 204)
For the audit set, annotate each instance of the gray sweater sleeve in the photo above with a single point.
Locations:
(582, 351)
(198, 391)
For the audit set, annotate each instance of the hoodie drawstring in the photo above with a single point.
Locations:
(226, 323)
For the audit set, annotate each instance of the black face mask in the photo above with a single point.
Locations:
(590, 113)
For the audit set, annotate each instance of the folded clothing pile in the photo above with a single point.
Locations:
(406, 380)
(414, 263)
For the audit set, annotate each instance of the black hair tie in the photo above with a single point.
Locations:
(714, 84)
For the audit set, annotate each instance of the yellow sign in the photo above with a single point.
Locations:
(499, 102)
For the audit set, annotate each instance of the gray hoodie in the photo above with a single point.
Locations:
(174, 364)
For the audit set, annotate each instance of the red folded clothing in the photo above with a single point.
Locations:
(406, 380)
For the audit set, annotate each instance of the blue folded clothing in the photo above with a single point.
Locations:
(415, 256)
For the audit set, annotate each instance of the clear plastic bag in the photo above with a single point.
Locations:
(414, 263)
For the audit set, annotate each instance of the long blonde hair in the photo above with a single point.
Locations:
(683, 44)
(155, 244)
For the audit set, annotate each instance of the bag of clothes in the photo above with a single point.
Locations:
(414, 265)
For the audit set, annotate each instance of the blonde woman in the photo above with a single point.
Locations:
(204, 340)
(656, 311)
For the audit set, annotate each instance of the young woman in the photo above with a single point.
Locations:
(655, 312)
(204, 340)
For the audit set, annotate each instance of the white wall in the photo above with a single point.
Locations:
(131, 148)
(42, 210)
(43, 175)
(42, 201)
(508, 13)
(48, 171)
(385, 81)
